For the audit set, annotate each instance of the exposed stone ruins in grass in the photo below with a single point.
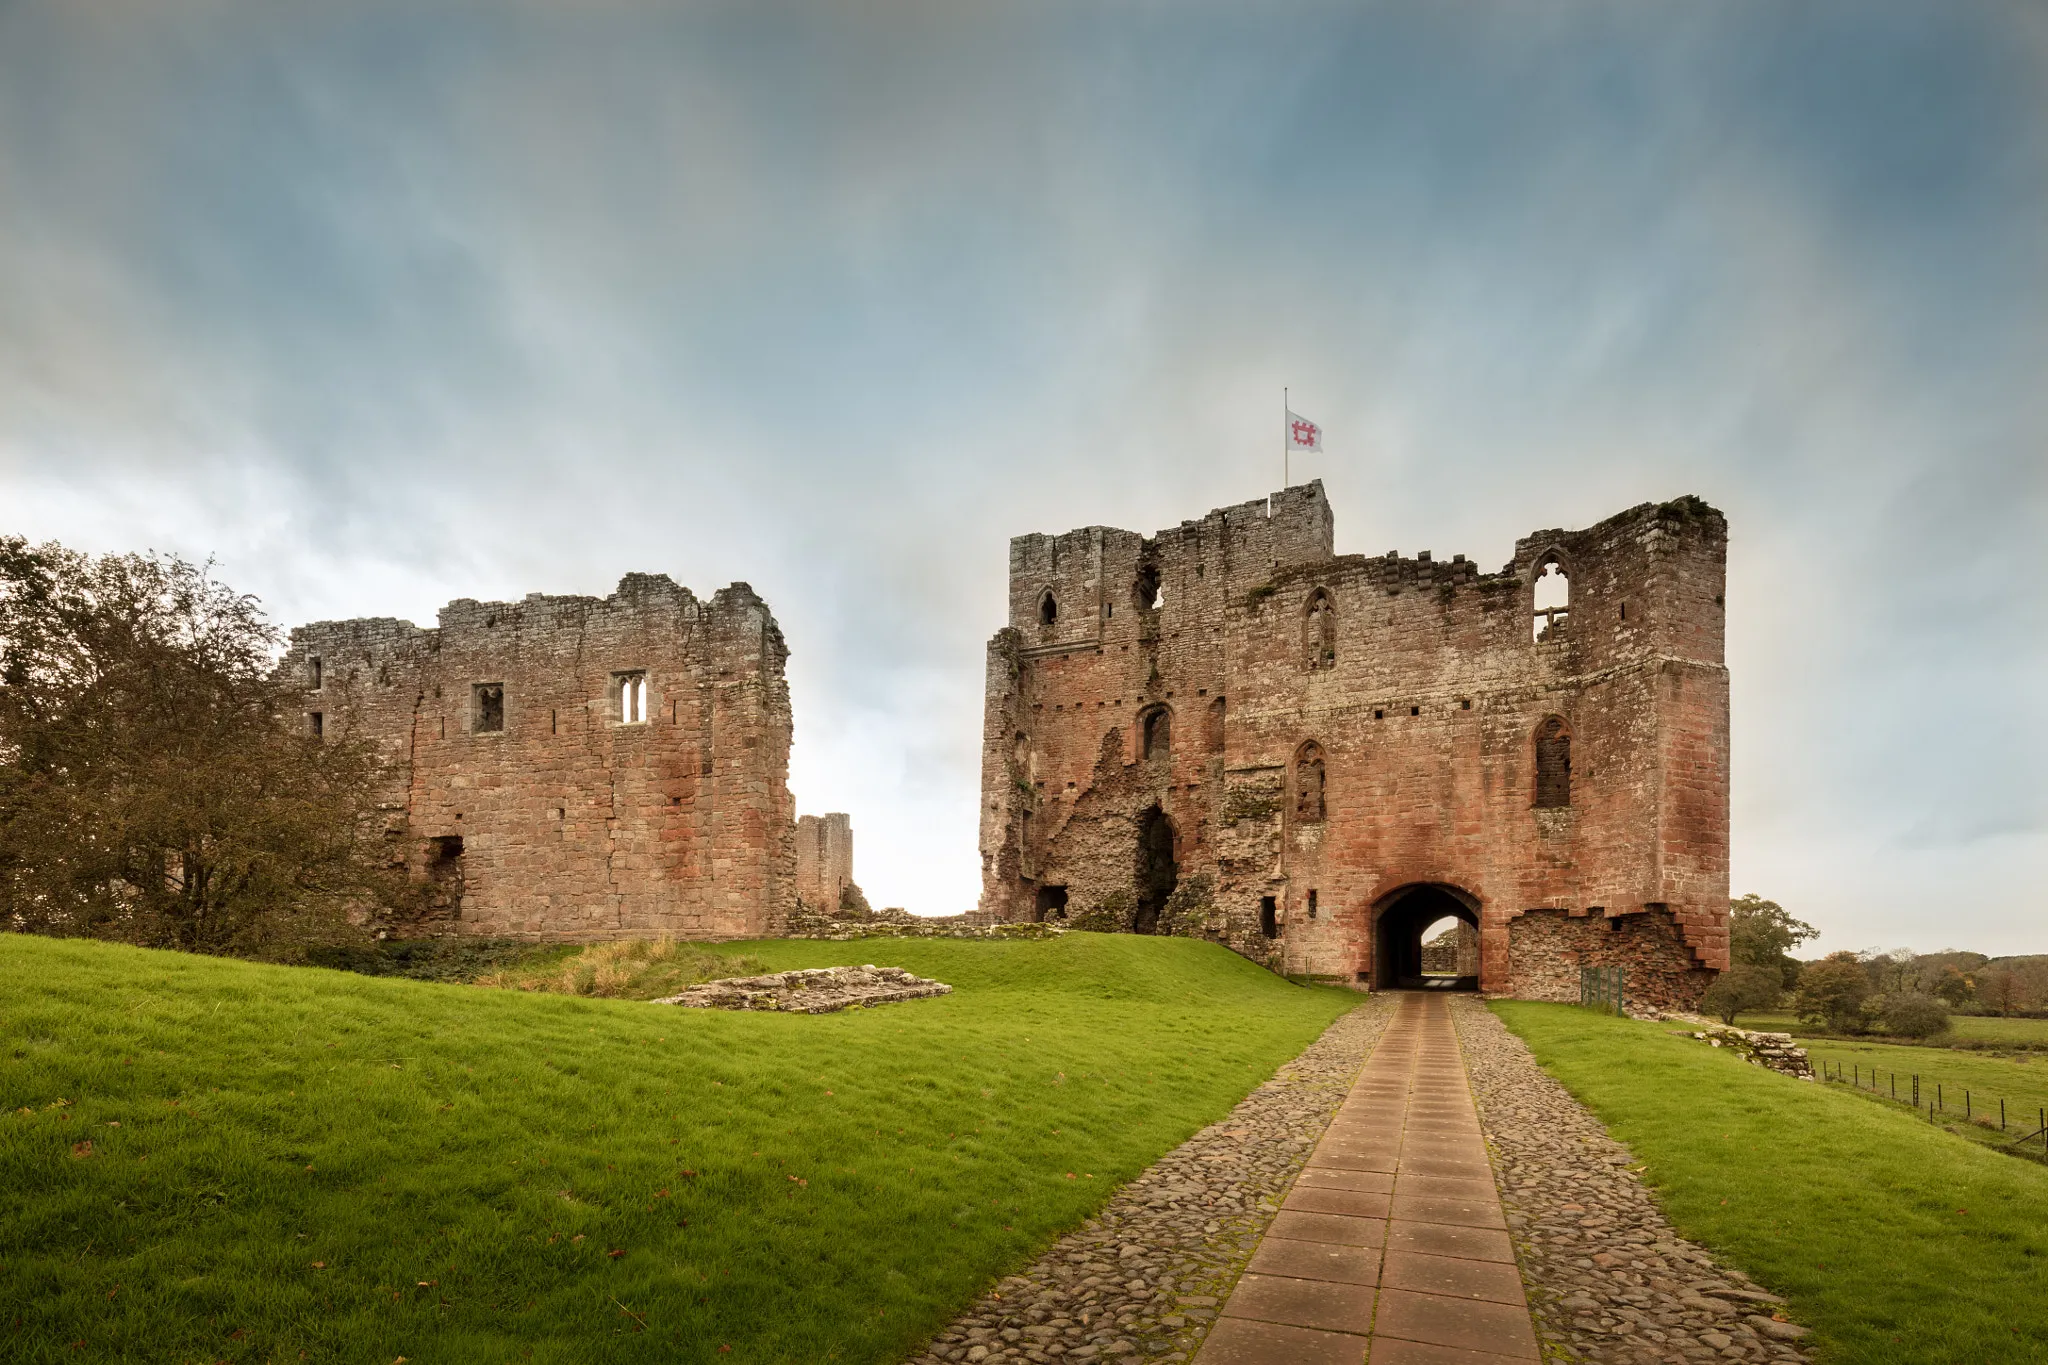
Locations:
(817, 990)
(1775, 1051)
(1228, 730)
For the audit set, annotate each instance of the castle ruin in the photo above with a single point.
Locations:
(1228, 730)
(824, 860)
(576, 768)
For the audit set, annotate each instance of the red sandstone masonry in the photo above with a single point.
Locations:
(575, 821)
(1425, 719)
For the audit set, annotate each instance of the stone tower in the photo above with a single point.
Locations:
(577, 767)
(1229, 730)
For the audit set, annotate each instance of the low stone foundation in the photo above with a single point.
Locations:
(818, 990)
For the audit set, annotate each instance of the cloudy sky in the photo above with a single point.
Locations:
(388, 304)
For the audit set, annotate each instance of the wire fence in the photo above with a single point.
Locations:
(1603, 988)
(1905, 1088)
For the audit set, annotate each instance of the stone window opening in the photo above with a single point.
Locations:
(1147, 592)
(1048, 608)
(1311, 903)
(1157, 730)
(630, 697)
(1551, 600)
(1319, 630)
(319, 721)
(1215, 727)
(490, 707)
(1269, 917)
(314, 673)
(1308, 783)
(1553, 764)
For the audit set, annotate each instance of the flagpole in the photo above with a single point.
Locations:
(1286, 450)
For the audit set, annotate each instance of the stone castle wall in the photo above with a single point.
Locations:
(532, 796)
(1329, 734)
(824, 859)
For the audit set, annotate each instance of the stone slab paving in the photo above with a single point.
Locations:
(1142, 1280)
(1392, 1242)
(1609, 1280)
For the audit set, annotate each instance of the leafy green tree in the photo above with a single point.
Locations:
(158, 782)
(1762, 934)
(1832, 992)
(1743, 988)
(1910, 1014)
(1952, 986)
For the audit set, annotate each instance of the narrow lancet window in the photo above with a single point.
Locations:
(1319, 630)
(1308, 783)
(632, 698)
(1553, 763)
(1552, 602)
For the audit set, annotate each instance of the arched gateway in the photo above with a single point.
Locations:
(1399, 919)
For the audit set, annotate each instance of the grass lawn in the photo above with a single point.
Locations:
(1972, 1030)
(1894, 1240)
(1986, 1078)
(211, 1160)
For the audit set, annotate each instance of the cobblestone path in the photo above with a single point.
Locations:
(1609, 1279)
(1392, 1240)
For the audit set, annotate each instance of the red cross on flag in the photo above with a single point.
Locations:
(1303, 434)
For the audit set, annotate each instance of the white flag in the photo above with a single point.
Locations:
(1303, 434)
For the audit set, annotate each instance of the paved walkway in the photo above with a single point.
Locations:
(1391, 1241)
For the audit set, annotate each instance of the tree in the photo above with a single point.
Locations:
(1912, 1015)
(1952, 986)
(1832, 992)
(158, 783)
(1742, 988)
(1762, 934)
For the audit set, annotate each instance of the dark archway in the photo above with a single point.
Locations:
(1397, 937)
(1158, 873)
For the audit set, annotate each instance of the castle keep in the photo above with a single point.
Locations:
(573, 767)
(1228, 730)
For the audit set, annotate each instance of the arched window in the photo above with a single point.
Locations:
(1553, 763)
(1551, 601)
(1048, 609)
(1157, 733)
(1308, 783)
(1146, 592)
(1213, 732)
(1319, 630)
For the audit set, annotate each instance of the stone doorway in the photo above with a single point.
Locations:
(1158, 873)
(1399, 928)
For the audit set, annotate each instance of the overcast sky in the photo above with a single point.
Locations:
(387, 305)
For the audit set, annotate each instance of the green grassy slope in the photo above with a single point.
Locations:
(1894, 1240)
(290, 1160)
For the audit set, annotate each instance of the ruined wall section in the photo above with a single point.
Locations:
(824, 859)
(525, 798)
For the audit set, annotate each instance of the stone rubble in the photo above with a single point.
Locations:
(1609, 1280)
(817, 990)
(1773, 1050)
(1144, 1279)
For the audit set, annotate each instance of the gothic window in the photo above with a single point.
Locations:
(1158, 733)
(1553, 763)
(489, 711)
(1319, 630)
(630, 697)
(1552, 600)
(1308, 783)
(1214, 732)
(1048, 609)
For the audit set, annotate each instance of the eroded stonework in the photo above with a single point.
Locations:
(576, 768)
(1229, 730)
